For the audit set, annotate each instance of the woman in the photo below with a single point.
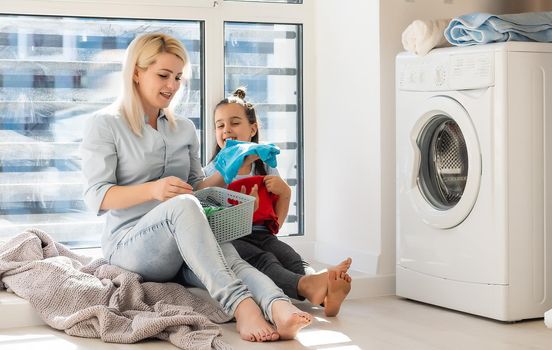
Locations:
(141, 165)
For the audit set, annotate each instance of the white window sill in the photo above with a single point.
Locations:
(17, 312)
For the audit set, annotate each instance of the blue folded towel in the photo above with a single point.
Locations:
(230, 158)
(483, 28)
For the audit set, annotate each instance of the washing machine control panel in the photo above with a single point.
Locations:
(441, 72)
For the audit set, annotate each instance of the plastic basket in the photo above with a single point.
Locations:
(235, 220)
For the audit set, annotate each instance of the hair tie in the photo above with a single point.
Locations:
(239, 93)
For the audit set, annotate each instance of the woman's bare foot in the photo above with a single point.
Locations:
(251, 323)
(288, 319)
(315, 287)
(339, 285)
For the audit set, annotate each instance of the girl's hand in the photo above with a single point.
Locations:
(255, 193)
(169, 187)
(277, 186)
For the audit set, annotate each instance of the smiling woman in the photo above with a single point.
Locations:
(153, 78)
(158, 83)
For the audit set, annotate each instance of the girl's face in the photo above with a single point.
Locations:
(158, 83)
(231, 123)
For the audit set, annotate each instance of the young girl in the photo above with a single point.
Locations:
(235, 119)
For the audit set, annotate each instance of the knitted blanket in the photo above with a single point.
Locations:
(90, 298)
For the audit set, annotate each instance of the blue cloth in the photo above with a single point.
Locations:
(231, 157)
(483, 28)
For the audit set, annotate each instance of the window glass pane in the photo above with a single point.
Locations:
(54, 72)
(264, 58)
(280, 1)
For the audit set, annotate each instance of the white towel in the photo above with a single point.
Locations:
(423, 35)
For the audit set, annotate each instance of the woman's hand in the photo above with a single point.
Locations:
(169, 187)
(277, 185)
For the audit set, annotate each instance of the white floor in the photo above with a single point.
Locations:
(369, 323)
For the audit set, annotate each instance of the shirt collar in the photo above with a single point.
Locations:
(161, 115)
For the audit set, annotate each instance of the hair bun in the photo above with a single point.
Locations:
(239, 92)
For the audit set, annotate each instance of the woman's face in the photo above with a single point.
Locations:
(158, 83)
(231, 123)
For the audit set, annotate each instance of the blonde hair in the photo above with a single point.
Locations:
(141, 53)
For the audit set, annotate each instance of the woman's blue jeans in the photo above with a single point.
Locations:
(175, 237)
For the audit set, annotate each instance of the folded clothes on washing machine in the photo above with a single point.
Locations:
(421, 36)
(483, 28)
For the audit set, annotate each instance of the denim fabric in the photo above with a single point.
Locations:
(274, 258)
(175, 236)
(263, 288)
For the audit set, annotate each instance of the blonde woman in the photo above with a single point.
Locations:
(141, 165)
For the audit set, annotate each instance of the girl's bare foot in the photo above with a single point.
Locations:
(251, 323)
(289, 319)
(315, 287)
(342, 266)
(339, 285)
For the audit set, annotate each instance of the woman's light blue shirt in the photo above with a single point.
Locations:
(113, 155)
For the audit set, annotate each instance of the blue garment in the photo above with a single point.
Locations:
(209, 170)
(483, 28)
(231, 157)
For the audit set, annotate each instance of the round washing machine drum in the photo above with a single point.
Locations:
(448, 166)
(444, 162)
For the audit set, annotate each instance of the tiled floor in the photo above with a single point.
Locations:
(370, 323)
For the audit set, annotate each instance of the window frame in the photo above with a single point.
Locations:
(214, 14)
(300, 142)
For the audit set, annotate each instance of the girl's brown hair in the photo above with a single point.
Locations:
(238, 97)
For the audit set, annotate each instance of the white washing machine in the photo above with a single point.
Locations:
(474, 179)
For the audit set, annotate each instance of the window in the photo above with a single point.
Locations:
(264, 58)
(51, 79)
(55, 71)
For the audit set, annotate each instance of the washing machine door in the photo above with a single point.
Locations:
(446, 170)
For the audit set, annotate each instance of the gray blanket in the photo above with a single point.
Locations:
(90, 298)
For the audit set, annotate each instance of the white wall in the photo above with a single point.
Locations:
(347, 136)
(354, 125)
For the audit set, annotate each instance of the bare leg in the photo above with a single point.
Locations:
(339, 285)
(315, 287)
(251, 323)
(289, 319)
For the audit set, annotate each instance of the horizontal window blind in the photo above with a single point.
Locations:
(55, 72)
(265, 59)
